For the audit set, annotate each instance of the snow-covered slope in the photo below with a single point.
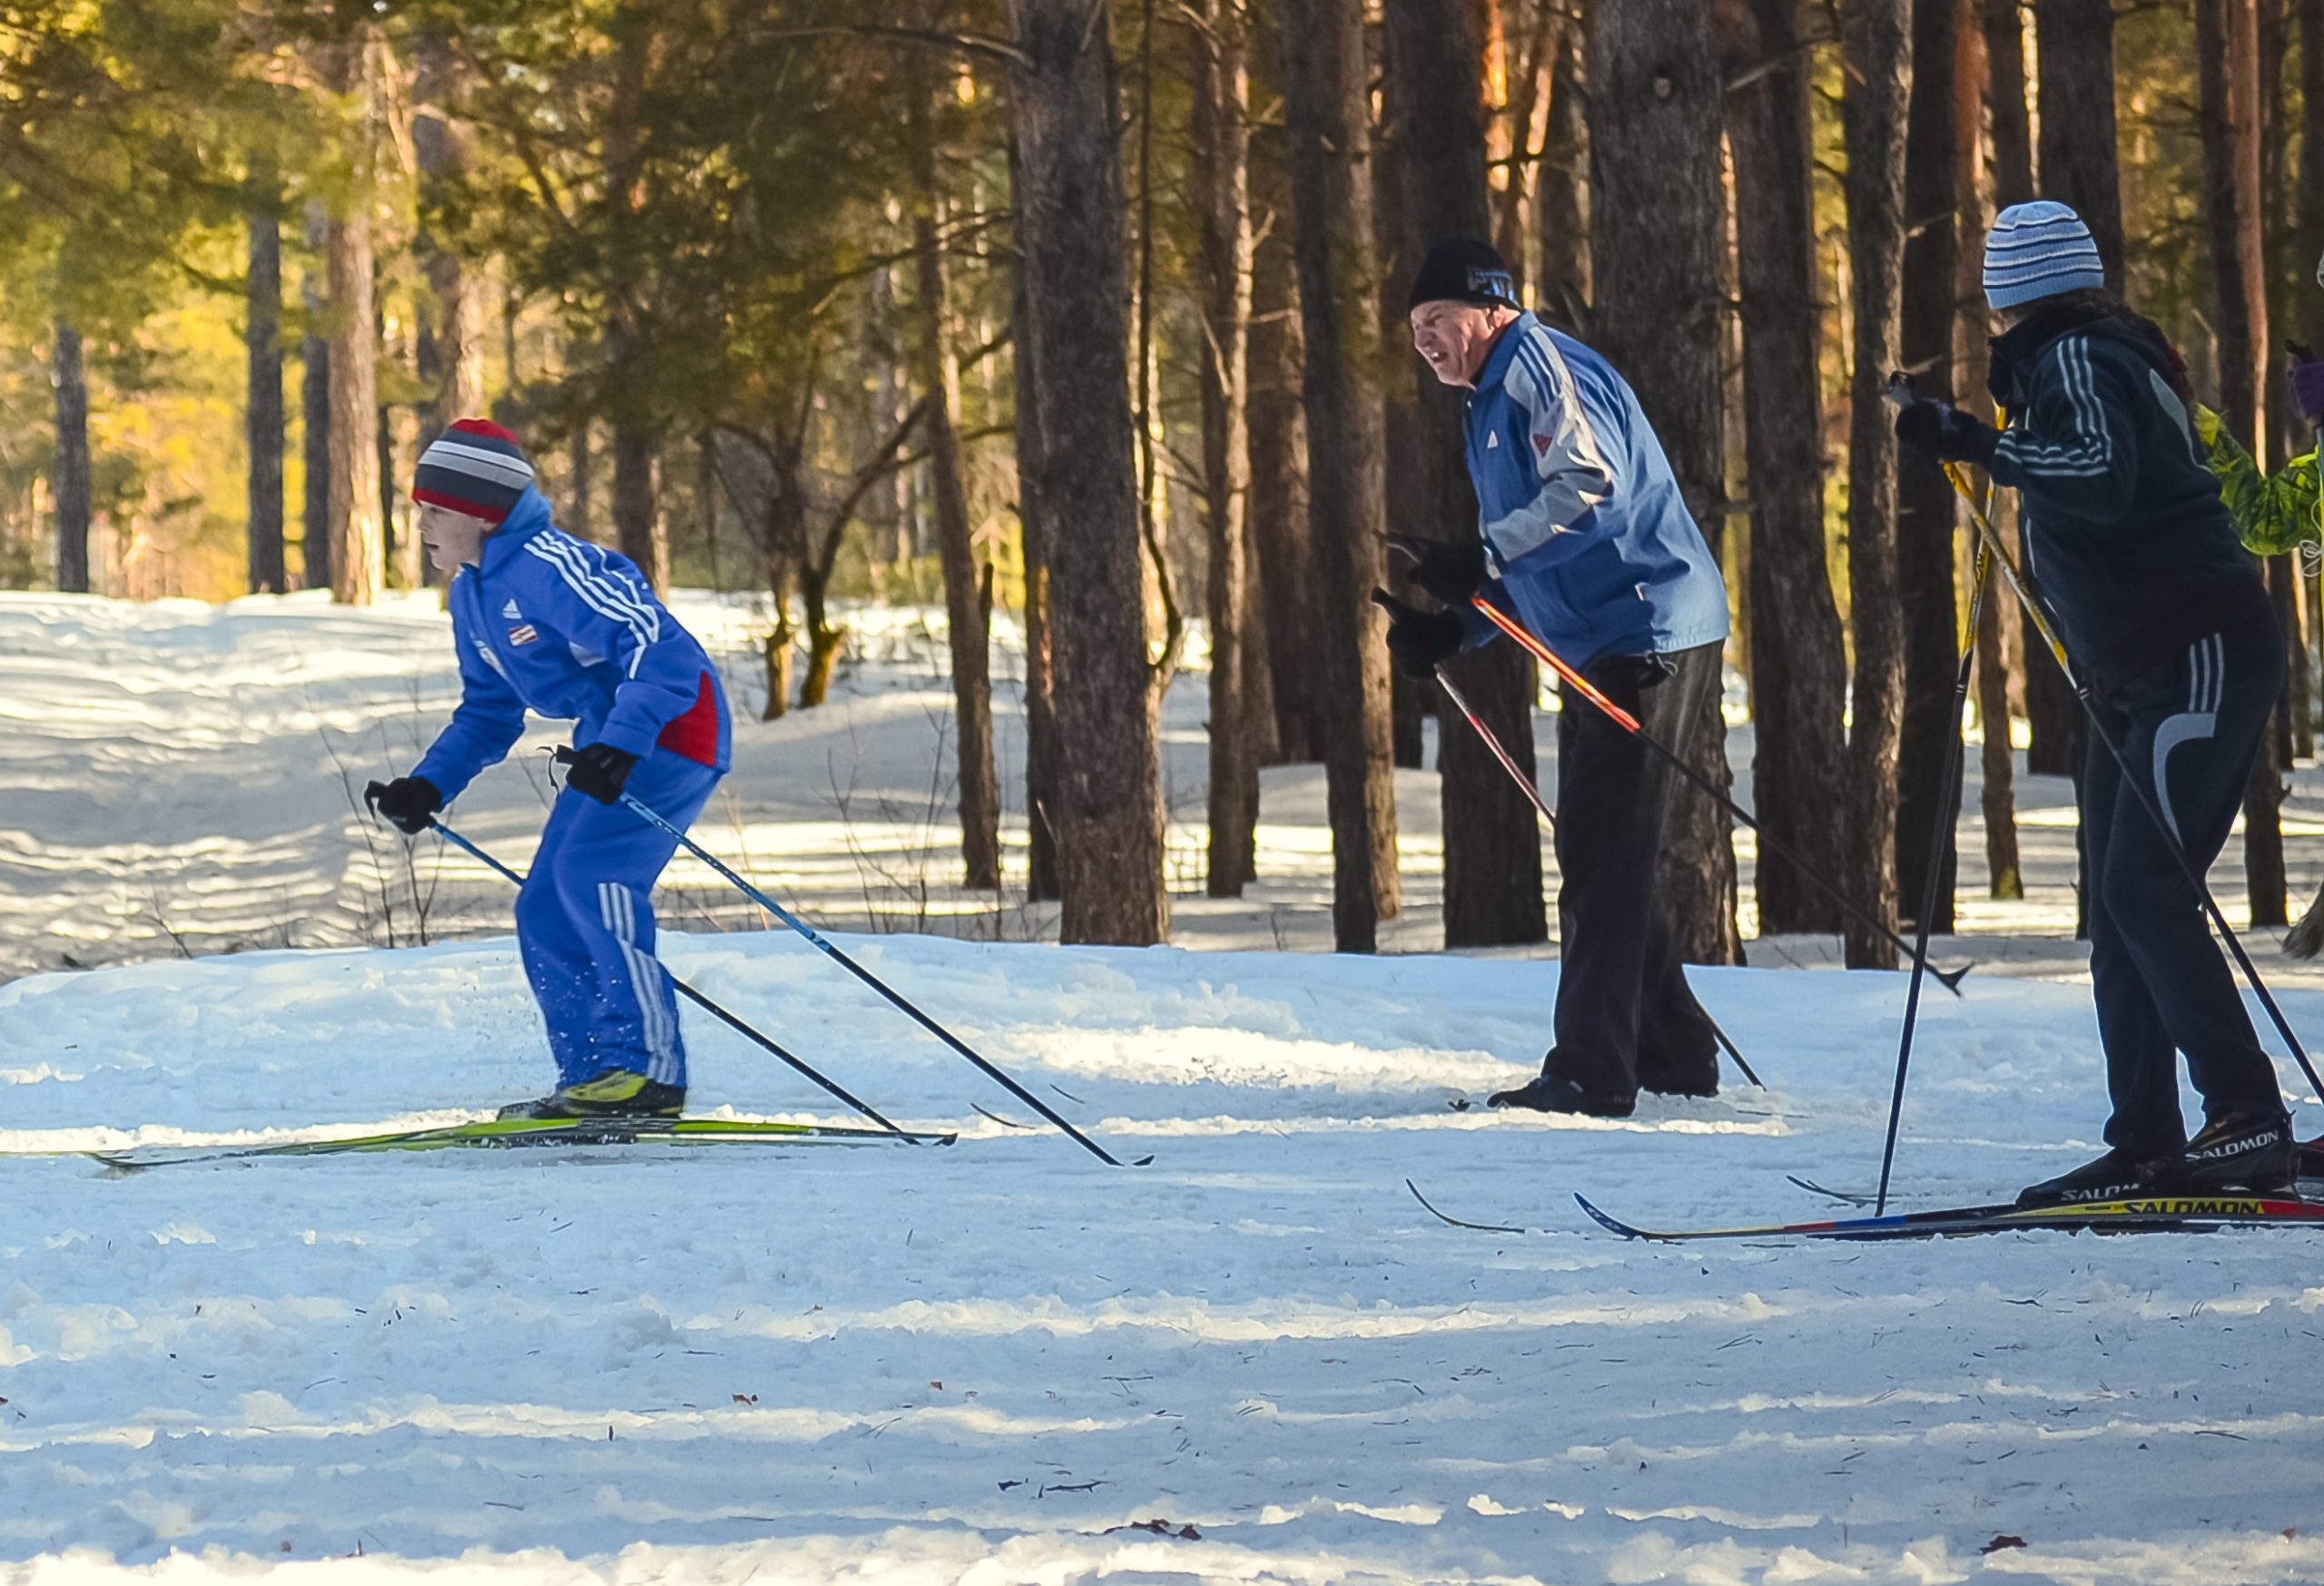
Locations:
(993, 1362)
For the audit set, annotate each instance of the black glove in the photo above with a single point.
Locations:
(408, 803)
(1451, 573)
(1419, 642)
(1943, 431)
(598, 771)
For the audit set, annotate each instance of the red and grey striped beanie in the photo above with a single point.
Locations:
(476, 467)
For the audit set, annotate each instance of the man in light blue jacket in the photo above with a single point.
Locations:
(544, 622)
(1584, 539)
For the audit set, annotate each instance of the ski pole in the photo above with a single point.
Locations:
(1944, 819)
(1949, 979)
(705, 1004)
(2039, 616)
(646, 812)
(1517, 774)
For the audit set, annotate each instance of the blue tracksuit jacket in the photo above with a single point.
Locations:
(1590, 544)
(557, 625)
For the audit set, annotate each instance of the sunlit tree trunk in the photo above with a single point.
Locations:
(357, 535)
(1285, 608)
(1876, 47)
(314, 408)
(262, 404)
(2227, 49)
(69, 477)
(1492, 846)
(1223, 223)
(1655, 112)
(1327, 119)
(1926, 505)
(1997, 660)
(970, 646)
(1799, 668)
(1070, 214)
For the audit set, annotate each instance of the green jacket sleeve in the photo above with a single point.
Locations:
(2272, 514)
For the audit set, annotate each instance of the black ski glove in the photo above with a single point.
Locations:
(1451, 573)
(598, 771)
(408, 803)
(1419, 642)
(1943, 431)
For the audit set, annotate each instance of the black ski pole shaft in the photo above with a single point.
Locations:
(2139, 789)
(733, 1021)
(898, 1000)
(1949, 979)
(1936, 855)
(1517, 774)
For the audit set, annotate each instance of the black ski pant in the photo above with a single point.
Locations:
(1625, 1017)
(2188, 729)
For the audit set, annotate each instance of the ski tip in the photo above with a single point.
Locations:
(1951, 978)
(1610, 1224)
(1147, 1161)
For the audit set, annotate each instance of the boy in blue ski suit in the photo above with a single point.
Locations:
(548, 623)
(1584, 539)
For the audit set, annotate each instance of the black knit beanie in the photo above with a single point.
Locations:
(1465, 271)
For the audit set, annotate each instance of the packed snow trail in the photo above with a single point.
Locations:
(983, 1364)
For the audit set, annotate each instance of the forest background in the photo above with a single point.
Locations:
(1093, 311)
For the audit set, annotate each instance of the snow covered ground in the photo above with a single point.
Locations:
(1002, 1361)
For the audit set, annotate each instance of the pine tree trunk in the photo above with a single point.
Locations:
(1327, 117)
(263, 407)
(2227, 49)
(450, 352)
(1655, 110)
(1493, 844)
(1223, 223)
(1876, 47)
(69, 478)
(1279, 516)
(1070, 214)
(2080, 165)
(1996, 661)
(1562, 191)
(314, 408)
(637, 520)
(1928, 517)
(578, 475)
(1798, 664)
(1041, 768)
(966, 621)
(357, 535)
(1406, 472)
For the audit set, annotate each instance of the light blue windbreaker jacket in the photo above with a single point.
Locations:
(555, 624)
(1589, 544)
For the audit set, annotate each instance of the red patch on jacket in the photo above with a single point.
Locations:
(695, 733)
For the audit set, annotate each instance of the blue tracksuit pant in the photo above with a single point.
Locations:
(585, 922)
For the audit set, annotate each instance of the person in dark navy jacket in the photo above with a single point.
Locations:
(2165, 618)
(548, 623)
(1584, 539)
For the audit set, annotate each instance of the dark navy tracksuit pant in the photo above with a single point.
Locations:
(1625, 1016)
(2188, 729)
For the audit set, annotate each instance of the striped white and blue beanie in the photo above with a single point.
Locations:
(2039, 250)
(476, 467)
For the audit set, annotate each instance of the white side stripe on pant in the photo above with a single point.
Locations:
(617, 908)
(2206, 675)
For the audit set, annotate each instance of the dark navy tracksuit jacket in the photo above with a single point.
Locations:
(2164, 615)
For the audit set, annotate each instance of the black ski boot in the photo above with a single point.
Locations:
(615, 1093)
(2244, 1153)
(1545, 1094)
(2115, 1175)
